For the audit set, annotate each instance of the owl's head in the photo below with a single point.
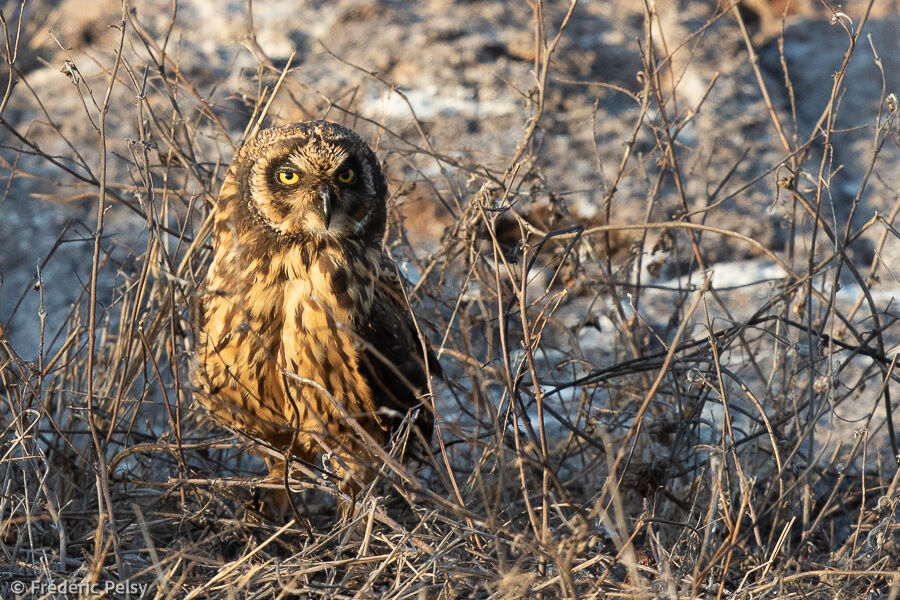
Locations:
(314, 181)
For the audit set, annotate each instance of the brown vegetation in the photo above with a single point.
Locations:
(616, 422)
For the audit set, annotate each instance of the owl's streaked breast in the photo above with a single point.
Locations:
(294, 319)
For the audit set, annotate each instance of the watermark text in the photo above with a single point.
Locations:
(75, 589)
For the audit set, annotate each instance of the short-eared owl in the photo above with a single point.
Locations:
(302, 323)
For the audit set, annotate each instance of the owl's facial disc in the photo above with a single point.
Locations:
(328, 198)
(316, 182)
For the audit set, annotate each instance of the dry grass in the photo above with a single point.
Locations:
(692, 459)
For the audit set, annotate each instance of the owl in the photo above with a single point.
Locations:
(303, 336)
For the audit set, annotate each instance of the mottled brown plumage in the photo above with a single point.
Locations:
(302, 320)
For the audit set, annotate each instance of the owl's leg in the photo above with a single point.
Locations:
(353, 467)
(276, 502)
(273, 502)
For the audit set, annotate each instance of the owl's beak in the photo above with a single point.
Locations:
(325, 195)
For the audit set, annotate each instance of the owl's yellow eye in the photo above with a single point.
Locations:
(347, 176)
(288, 177)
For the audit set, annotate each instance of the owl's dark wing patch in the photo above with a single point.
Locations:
(393, 360)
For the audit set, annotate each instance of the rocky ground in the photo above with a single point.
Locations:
(465, 72)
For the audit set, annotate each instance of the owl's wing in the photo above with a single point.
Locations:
(393, 359)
